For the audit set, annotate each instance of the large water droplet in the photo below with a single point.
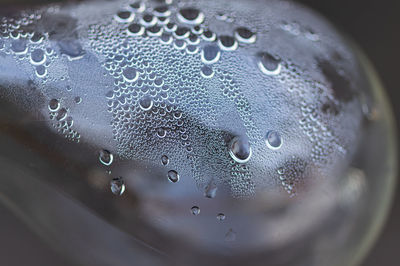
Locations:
(240, 149)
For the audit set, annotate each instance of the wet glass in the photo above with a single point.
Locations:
(192, 133)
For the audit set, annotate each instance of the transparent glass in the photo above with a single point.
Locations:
(230, 174)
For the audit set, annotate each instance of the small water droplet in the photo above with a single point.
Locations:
(173, 176)
(138, 6)
(54, 105)
(245, 35)
(190, 16)
(210, 54)
(62, 114)
(195, 210)
(146, 103)
(135, 29)
(148, 20)
(209, 36)
(221, 217)
(130, 74)
(41, 71)
(78, 99)
(124, 16)
(164, 159)
(38, 57)
(161, 133)
(269, 64)
(273, 140)
(227, 43)
(207, 72)
(210, 190)
(19, 46)
(230, 235)
(106, 157)
(117, 186)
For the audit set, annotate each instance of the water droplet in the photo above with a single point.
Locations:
(173, 176)
(148, 20)
(41, 71)
(161, 133)
(162, 11)
(38, 57)
(146, 103)
(207, 72)
(195, 210)
(138, 6)
(245, 35)
(117, 186)
(240, 149)
(130, 74)
(135, 29)
(62, 114)
(182, 33)
(227, 43)
(230, 235)
(106, 157)
(269, 64)
(210, 54)
(72, 48)
(54, 105)
(210, 190)
(164, 159)
(209, 36)
(170, 27)
(190, 16)
(273, 140)
(124, 16)
(19, 46)
(154, 31)
(221, 217)
(78, 99)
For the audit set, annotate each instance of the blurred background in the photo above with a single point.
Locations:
(374, 25)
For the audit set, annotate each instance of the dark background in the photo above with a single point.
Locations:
(375, 26)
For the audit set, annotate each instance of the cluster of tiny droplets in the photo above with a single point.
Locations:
(167, 72)
(139, 42)
(63, 122)
(31, 46)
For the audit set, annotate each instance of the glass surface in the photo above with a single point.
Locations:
(192, 133)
